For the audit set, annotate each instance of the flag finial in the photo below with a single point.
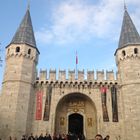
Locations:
(125, 7)
(28, 4)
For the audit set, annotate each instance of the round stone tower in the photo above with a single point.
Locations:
(18, 83)
(128, 63)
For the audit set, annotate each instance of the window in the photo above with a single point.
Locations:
(17, 49)
(8, 51)
(136, 51)
(29, 51)
(123, 53)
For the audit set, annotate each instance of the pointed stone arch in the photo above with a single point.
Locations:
(77, 104)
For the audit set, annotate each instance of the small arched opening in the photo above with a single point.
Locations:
(123, 53)
(17, 49)
(135, 50)
(29, 51)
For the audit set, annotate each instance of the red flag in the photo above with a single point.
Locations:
(39, 105)
(76, 58)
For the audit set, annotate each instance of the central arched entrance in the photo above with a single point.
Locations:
(75, 123)
(76, 113)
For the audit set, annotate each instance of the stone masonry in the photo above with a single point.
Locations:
(73, 97)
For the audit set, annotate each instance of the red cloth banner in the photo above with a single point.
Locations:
(103, 89)
(39, 105)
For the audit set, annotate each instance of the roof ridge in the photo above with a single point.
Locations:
(129, 33)
(25, 33)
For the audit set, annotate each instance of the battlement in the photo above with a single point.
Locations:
(80, 76)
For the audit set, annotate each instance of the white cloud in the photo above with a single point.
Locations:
(78, 20)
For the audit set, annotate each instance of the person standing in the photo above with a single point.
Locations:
(107, 137)
(41, 137)
(31, 137)
(23, 137)
(98, 137)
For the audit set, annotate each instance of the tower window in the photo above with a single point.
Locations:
(123, 53)
(8, 51)
(29, 51)
(136, 51)
(17, 49)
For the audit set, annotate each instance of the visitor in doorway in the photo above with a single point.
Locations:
(81, 136)
(59, 137)
(31, 137)
(41, 137)
(36, 137)
(107, 137)
(98, 137)
(63, 137)
(23, 137)
(54, 137)
(47, 137)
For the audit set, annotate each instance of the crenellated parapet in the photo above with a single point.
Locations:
(110, 75)
(100, 75)
(52, 75)
(43, 75)
(80, 76)
(62, 75)
(21, 51)
(71, 75)
(90, 76)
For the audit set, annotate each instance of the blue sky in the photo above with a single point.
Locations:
(62, 27)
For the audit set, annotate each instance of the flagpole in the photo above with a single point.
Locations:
(29, 4)
(76, 71)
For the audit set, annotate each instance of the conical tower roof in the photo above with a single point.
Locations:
(25, 33)
(129, 34)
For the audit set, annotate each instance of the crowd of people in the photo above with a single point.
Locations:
(69, 136)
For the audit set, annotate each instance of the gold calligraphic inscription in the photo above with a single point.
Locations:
(76, 104)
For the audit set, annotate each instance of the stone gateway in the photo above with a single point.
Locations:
(76, 105)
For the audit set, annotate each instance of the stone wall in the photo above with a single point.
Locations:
(90, 92)
(128, 62)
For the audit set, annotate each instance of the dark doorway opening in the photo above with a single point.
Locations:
(75, 124)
